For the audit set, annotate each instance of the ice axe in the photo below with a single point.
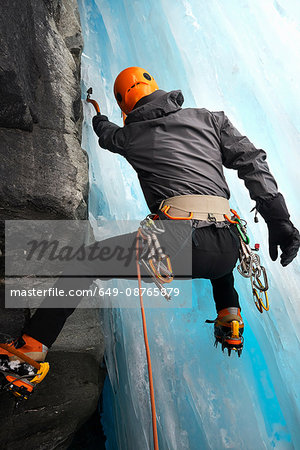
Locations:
(90, 100)
(95, 104)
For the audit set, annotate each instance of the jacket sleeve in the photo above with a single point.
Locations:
(111, 137)
(240, 154)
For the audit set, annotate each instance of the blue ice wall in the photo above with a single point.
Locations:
(240, 56)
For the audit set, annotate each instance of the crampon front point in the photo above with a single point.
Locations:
(20, 379)
(228, 330)
(231, 339)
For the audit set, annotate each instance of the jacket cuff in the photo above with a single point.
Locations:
(97, 119)
(273, 209)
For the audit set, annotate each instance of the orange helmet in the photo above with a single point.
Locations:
(131, 85)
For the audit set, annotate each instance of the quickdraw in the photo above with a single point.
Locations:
(152, 257)
(250, 266)
(241, 225)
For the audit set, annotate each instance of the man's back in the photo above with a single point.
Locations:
(179, 151)
(176, 154)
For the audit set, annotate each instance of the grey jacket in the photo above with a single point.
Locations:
(178, 151)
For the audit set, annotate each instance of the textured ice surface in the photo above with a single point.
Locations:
(242, 57)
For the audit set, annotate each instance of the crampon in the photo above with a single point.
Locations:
(19, 373)
(228, 330)
(20, 379)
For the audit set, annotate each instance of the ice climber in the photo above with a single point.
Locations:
(179, 154)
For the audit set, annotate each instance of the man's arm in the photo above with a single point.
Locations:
(110, 135)
(240, 154)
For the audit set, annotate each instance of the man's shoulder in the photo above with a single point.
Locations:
(205, 114)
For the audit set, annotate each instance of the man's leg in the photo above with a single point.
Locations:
(215, 254)
(107, 259)
(118, 260)
(47, 322)
(224, 292)
(229, 325)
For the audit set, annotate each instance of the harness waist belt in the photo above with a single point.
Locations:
(210, 208)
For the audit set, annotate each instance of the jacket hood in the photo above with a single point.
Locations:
(155, 105)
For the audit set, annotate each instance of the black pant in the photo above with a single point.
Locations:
(214, 255)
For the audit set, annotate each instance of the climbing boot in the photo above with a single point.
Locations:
(228, 330)
(29, 346)
(19, 377)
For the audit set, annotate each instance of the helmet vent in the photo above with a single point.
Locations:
(132, 84)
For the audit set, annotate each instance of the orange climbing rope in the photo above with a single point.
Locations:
(152, 398)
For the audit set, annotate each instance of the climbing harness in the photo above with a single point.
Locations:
(22, 385)
(152, 257)
(209, 208)
(250, 266)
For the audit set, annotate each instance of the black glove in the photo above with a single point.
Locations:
(281, 230)
(96, 120)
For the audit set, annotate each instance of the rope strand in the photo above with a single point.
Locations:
(151, 387)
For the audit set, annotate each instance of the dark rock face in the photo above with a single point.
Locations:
(44, 175)
(66, 398)
(44, 169)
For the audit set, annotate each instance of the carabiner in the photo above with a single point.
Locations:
(262, 287)
(260, 305)
(243, 235)
(235, 214)
(159, 267)
(239, 225)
